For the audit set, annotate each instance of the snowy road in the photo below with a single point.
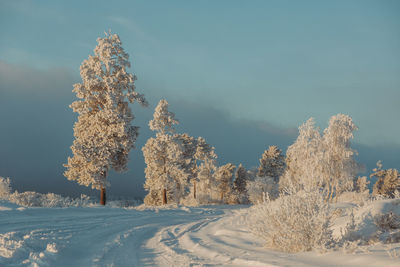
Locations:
(97, 236)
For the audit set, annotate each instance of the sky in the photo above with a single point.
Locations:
(244, 75)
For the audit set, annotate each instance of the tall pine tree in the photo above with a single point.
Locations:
(103, 133)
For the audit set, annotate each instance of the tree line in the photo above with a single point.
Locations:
(183, 169)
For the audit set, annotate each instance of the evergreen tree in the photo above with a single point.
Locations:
(103, 133)
(240, 183)
(205, 158)
(272, 163)
(224, 178)
(162, 156)
(187, 162)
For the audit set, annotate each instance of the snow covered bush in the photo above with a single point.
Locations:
(294, 222)
(388, 221)
(49, 200)
(34, 199)
(5, 188)
(258, 188)
(388, 182)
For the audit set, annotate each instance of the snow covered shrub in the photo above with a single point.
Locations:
(388, 181)
(389, 225)
(260, 187)
(34, 199)
(388, 221)
(153, 198)
(49, 200)
(30, 199)
(361, 184)
(5, 188)
(349, 236)
(293, 223)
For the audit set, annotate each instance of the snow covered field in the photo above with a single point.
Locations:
(174, 236)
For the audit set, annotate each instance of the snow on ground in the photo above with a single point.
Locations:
(173, 236)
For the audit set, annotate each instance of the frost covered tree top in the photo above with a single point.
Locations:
(163, 120)
(272, 163)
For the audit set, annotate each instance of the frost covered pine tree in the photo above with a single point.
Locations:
(240, 183)
(204, 184)
(224, 178)
(272, 163)
(187, 162)
(103, 133)
(163, 156)
(205, 159)
(272, 166)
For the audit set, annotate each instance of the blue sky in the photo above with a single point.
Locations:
(264, 65)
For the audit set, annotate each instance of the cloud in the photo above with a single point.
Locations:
(23, 79)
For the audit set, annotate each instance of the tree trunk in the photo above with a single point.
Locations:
(194, 189)
(103, 196)
(222, 196)
(164, 196)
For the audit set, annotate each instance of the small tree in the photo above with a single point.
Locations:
(103, 133)
(302, 159)
(325, 162)
(224, 178)
(5, 188)
(339, 166)
(165, 157)
(240, 183)
(205, 159)
(187, 162)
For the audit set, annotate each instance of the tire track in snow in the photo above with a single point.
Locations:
(214, 241)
